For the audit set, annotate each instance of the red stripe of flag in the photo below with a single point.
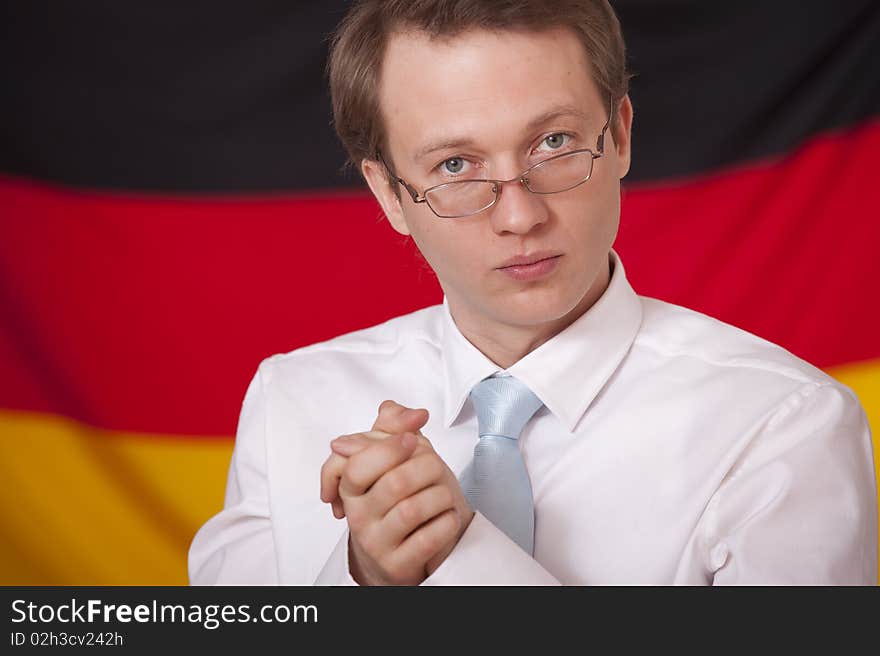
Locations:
(143, 314)
(788, 249)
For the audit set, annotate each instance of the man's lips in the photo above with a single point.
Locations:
(532, 271)
(530, 258)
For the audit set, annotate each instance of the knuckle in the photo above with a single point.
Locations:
(426, 542)
(345, 484)
(436, 467)
(408, 510)
(447, 527)
(330, 466)
(396, 483)
(353, 477)
(446, 497)
(448, 521)
(455, 520)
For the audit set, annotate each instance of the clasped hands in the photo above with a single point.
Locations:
(405, 508)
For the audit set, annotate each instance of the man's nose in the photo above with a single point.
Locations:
(518, 210)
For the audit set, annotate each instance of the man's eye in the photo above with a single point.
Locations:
(556, 141)
(453, 165)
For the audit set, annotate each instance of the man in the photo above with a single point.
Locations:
(545, 424)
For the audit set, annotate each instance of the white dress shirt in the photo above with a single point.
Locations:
(672, 449)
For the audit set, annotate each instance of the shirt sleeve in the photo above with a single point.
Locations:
(236, 546)
(486, 556)
(483, 556)
(337, 570)
(800, 505)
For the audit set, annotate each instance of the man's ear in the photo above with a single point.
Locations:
(376, 176)
(623, 134)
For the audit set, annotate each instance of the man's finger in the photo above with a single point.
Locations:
(429, 539)
(331, 471)
(405, 480)
(348, 445)
(396, 418)
(364, 468)
(343, 447)
(413, 511)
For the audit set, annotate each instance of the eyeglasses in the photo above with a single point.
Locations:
(452, 200)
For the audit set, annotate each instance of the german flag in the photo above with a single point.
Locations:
(171, 193)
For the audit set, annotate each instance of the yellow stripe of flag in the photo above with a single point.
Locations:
(84, 506)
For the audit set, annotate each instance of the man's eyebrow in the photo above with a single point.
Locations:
(557, 111)
(445, 144)
(551, 114)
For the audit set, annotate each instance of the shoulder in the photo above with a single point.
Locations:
(677, 333)
(416, 331)
(733, 373)
(755, 397)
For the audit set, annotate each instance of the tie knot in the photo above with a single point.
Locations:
(503, 405)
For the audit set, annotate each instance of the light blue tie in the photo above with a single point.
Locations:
(496, 482)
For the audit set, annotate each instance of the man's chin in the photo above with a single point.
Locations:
(534, 307)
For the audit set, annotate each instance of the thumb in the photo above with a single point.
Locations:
(396, 418)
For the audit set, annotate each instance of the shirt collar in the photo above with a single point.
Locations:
(567, 371)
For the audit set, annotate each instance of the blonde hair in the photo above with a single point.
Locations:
(358, 48)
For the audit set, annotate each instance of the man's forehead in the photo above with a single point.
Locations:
(433, 91)
(413, 53)
(559, 112)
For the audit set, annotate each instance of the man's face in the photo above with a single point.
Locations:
(495, 103)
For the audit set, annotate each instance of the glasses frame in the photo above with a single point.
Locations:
(522, 178)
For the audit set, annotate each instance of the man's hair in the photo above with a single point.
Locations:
(358, 48)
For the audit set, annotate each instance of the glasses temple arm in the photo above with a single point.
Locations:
(600, 142)
(412, 192)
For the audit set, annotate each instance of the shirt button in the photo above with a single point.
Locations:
(718, 556)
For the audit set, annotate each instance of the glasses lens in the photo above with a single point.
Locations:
(461, 198)
(560, 173)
